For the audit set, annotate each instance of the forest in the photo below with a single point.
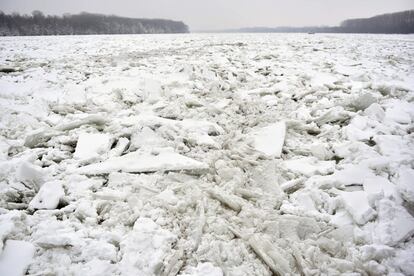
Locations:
(393, 23)
(83, 24)
(401, 22)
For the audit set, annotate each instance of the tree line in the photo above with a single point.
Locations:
(83, 24)
(393, 23)
(401, 22)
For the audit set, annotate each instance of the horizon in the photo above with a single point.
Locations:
(217, 16)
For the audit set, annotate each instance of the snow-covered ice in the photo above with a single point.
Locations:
(270, 139)
(162, 159)
(91, 146)
(16, 258)
(207, 154)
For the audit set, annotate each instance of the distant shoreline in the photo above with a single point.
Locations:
(392, 23)
(39, 24)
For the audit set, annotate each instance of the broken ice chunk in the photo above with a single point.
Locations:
(271, 255)
(39, 136)
(145, 248)
(405, 184)
(398, 115)
(95, 119)
(226, 199)
(96, 267)
(376, 252)
(335, 114)
(148, 138)
(320, 151)
(309, 166)
(395, 224)
(167, 196)
(4, 148)
(203, 269)
(362, 102)
(137, 162)
(120, 147)
(16, 258)
(57, 239)
(91, 146)
(48, 196)
(30, 174)
(356, 203)
(379, 186)
(387, 145)
(270, 139)
(351, 175)
(375, 112)
(10, 223)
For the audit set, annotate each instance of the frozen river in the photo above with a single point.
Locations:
(207, 154)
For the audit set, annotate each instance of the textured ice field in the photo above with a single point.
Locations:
(247, 154)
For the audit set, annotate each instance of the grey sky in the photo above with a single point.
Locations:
(221, 14)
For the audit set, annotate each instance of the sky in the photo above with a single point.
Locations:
(221, 14)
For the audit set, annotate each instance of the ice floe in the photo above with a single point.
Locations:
(207, 154)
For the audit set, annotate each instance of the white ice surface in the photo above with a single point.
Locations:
(144, 249)
(91, 146)
(270, 139)
(356, 203)
(48, 196)
(16, 258)
(287, 153)
(163, 159)
(309, 166)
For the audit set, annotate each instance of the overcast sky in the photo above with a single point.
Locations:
(221, 14)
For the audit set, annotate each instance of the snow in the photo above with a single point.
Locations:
(16, 258)
(309, 166)
(405, 184)
(395, 224)
(162, 159)
(207, 154)
(356, 203)
(380, 187)
(270, 139)
(144, 249)
(48, 196)
(204, 269)
(91, 146)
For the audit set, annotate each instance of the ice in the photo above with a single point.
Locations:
(203, 269)
(209, 154)
(356, 203)
(163, 159)
(387, 144)
(363, 101)
(320, 151)
(380, 187)
(16, 257)
(270, 139)
(351, 174)
(30, 174)
(144, 249)
(120, 147)
(309, 166)
(48, 196)
(39, 136)
(400, 112)
(146, 137)
(9, 224)
(95, 119)
(4, 148)
(395, 224)
(92, 146)
(405, 184)
(375, 112)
